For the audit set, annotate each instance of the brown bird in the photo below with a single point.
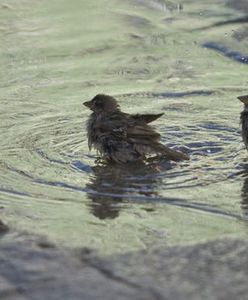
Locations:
(122, 137)
(244, 119)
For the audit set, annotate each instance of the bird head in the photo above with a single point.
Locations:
(102, 103)
(244, 99)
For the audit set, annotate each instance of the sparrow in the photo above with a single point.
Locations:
(244, 120)
(124, 138)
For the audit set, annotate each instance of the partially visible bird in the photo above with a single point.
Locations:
(244, 120)
(123, 137)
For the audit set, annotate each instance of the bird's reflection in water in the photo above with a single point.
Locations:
(111, 185)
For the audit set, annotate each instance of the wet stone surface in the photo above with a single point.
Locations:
(212, 270)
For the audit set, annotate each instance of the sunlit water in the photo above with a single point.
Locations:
(153, 56)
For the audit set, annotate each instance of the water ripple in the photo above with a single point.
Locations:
(234, 55)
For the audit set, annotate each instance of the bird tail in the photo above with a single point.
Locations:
(170, 154)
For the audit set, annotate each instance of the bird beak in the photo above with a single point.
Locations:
(87, 104)
(243, 99)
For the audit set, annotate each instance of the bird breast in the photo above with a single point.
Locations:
(95, 134)
(91, 130)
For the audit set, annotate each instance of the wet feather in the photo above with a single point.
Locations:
(123, 137)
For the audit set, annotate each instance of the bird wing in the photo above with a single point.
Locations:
(124, 126)
(121, 129)
(147, 118)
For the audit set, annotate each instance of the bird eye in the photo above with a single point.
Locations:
(98, 103)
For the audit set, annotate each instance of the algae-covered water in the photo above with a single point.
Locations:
(186, 59)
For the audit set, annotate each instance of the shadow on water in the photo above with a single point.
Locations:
(239, 20)
(232, 54)
(173, 94)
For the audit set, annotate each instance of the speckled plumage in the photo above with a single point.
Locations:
(122, 137)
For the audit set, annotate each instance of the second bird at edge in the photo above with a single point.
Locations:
(244, 120)
(123, 137)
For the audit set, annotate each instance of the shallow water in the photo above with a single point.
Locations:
(152, 56)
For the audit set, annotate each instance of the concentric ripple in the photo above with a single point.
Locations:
(49, 181)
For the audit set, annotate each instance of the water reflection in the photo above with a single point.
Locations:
(111, 186)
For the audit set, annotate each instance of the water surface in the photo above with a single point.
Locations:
(152, 56)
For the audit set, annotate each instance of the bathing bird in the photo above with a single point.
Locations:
(124, 138)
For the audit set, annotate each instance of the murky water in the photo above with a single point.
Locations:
(153, 56)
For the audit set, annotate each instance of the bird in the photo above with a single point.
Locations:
(244, 120)
(124, 138)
